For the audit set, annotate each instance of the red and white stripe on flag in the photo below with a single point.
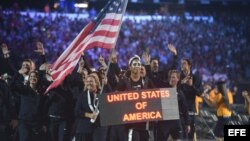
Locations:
(102, 32)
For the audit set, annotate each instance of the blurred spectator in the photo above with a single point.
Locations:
(46, 8)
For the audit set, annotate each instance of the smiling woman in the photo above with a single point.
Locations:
(33, 78)
(87, 111)
(93, 83)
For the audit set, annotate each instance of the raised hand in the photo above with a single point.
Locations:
(23, 70)
(44, 67)
(81, 62)
(102, 61)
(172, 49)
(81, 65)
(146, 58)
(5, 49)
(39, 48)
(113, 56)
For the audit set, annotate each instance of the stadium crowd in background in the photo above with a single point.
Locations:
(222, 44)
(218, 51)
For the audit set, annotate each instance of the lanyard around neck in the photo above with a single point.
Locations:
(93, 109)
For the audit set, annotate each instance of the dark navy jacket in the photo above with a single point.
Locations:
(31, 103)
(159, 77)
(6, 103)
(60, 103)
(191, 92)
(83, 124)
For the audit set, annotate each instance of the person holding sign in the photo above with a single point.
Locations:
(135, 131)
(87, 112)
(173, 127)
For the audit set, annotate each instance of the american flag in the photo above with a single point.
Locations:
(101, 32)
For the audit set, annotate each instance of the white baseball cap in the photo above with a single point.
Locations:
(133, 58)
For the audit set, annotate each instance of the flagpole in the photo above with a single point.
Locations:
(96, 111)
(113, 48)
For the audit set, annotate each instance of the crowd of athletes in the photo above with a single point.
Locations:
(197, 56)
